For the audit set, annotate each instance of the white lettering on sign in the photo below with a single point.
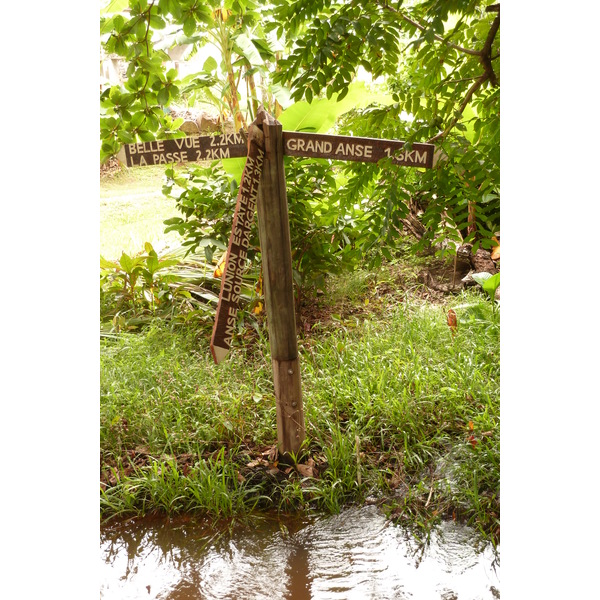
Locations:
(358, 150)
(231, 286)
(230, 325)
(227, 139)
(188, 142)
(213, 153)
(321, 146)
(419, 157)
(142, 147)
(169, 157)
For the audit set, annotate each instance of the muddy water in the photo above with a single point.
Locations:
(354, 555)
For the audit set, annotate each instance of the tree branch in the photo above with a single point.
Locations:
(439, 38)
(462, 107)
(485, 56)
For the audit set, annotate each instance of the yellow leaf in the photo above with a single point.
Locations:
(220, 268)
(496, 249)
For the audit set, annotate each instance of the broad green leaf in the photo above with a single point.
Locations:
(107, 264)
(210, 64)
(189, 26)
(126, 263)
(481, 278)
(491, 285)
(157, 22)
(234, 167)
(152, 263)
(166, 263)
(244, 46)
(106, 26)
(321, 115)
(282, 95)
(163, 96)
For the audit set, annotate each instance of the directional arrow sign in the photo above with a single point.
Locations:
(311, 145)
(185, 149)
(231, 281)
(345, 147)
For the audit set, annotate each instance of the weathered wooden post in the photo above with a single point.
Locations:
(263, 186)
(276, 252)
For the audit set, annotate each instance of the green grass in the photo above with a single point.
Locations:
(132, 211)
(396, 409)
(390, 398)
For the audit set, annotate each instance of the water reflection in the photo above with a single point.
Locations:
(356, 554)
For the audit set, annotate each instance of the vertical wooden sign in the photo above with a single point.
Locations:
(231, 281)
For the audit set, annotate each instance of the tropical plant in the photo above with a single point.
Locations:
(137, 289)
(326, 235)
(140, 32)
(440, 61)
(488, 282)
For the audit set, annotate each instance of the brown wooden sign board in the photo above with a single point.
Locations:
(231, 281)
(359, 149)
(185, 149)
(308, 145)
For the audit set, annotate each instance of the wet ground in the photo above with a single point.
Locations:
(357, 554)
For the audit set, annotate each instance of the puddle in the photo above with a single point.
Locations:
(354, 555)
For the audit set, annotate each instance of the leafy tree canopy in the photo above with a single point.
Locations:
(439, 60)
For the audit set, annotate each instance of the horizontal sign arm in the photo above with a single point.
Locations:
(345, 147)
(308, 145)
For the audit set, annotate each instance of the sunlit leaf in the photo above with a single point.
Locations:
(220, 268)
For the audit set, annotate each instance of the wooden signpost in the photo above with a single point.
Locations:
(262, 188)
(231, 281)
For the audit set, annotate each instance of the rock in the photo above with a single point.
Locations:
(189, 128)
(208, 123)
(228, 126)
(481, 261)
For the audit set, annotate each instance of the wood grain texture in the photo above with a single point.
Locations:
(290, 412)
(274, 234)
(239, 241)
(357, 149)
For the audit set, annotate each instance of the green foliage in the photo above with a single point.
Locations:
(206, 198)
(321, 236)
(398, 409)
(440, 60)
(488, 282)
(136, 290)
(136, 110)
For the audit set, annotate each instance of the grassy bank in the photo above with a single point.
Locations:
(132, 211)
(398, 412)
